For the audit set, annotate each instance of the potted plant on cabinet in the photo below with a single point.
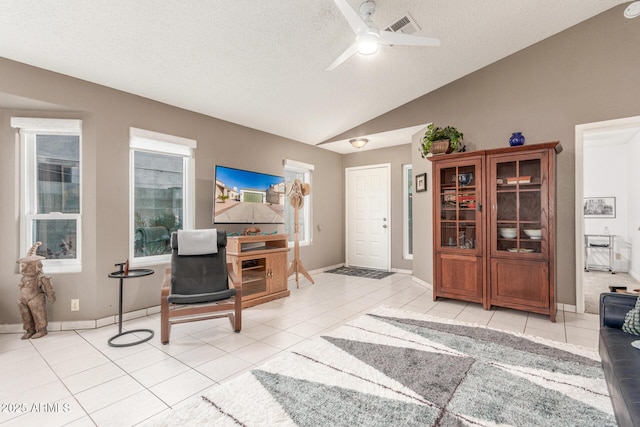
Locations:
(437, 140)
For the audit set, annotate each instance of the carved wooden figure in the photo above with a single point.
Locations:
(35, 289)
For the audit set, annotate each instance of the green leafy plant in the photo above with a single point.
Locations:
(223, 197)
(435, 133)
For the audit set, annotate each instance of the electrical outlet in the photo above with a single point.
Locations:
(75, 305)
(618, 256)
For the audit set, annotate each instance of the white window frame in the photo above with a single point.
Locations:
(160, 143)
(306, 169)
(28, 128)
(405, 211)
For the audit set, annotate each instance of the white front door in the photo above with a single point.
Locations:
(368, 224)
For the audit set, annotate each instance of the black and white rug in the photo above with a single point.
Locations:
(397, 368)
(368, 273)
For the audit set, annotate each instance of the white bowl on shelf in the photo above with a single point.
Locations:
(534, 234)
(509, 233)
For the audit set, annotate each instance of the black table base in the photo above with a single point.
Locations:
(121, 274)
(129, 344)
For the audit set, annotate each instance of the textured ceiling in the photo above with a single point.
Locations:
(262, 64)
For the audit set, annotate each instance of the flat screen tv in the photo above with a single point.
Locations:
(247, 197)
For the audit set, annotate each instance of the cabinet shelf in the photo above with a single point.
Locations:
(522, 239)
(459, 187)
(248, 277)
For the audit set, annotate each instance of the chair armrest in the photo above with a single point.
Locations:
(166, 283)
(613, 308)
(233, 277)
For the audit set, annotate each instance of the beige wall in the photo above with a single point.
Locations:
(396, 157)
(585, 74)
(107, 116)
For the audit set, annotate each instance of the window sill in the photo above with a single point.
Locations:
(302, 243)
(56, 268)
(150, 261)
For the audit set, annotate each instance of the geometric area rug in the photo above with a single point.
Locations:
(396, 368)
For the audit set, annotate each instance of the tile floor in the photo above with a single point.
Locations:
(73, 378)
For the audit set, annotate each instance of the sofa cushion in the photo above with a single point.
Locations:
(632, 320)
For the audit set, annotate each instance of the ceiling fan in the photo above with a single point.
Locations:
(369, 37)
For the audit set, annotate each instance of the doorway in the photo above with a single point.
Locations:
(368, 222)
(605, 136)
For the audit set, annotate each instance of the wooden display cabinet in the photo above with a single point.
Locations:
(458, 227)
(503, 255)
(260, 262)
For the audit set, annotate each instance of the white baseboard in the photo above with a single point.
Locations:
(422, 282)
(318, 271)
(73, 325)
(571, 308)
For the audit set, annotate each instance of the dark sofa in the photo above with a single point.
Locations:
(620, 361)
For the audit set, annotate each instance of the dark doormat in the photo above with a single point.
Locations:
(369, 273)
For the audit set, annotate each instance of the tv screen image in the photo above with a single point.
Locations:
(247, 197)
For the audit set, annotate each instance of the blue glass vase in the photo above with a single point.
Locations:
(516, 139)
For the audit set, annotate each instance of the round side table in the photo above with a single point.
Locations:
(131, 274)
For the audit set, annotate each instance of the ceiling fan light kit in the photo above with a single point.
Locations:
(633, 10)
(369, 37)
(368, 43)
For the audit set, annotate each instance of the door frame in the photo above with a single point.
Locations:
(387, 167)
(581, 131)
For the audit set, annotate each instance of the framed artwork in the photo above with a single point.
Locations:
(599, 207)
(421, 182)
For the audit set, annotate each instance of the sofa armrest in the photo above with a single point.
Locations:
(613, 308)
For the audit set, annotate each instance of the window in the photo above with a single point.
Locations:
(407, 191)
(50, 186)
(297, 170)
(161, 194)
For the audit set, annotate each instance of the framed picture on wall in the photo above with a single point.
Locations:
(421, 182)
(599, 207)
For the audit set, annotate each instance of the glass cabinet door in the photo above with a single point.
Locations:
(460, 203)
(519, 205)
(254, 277)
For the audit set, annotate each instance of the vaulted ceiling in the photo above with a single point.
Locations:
(262, 64)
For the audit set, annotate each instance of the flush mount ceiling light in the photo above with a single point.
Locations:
(358, 142)
(633, 10)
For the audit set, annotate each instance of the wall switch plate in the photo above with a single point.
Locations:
(75, 305)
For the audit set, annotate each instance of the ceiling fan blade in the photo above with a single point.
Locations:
(388, 37)
(352, 17)
(345, 55)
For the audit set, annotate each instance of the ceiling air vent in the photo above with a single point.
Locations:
(405, 25)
